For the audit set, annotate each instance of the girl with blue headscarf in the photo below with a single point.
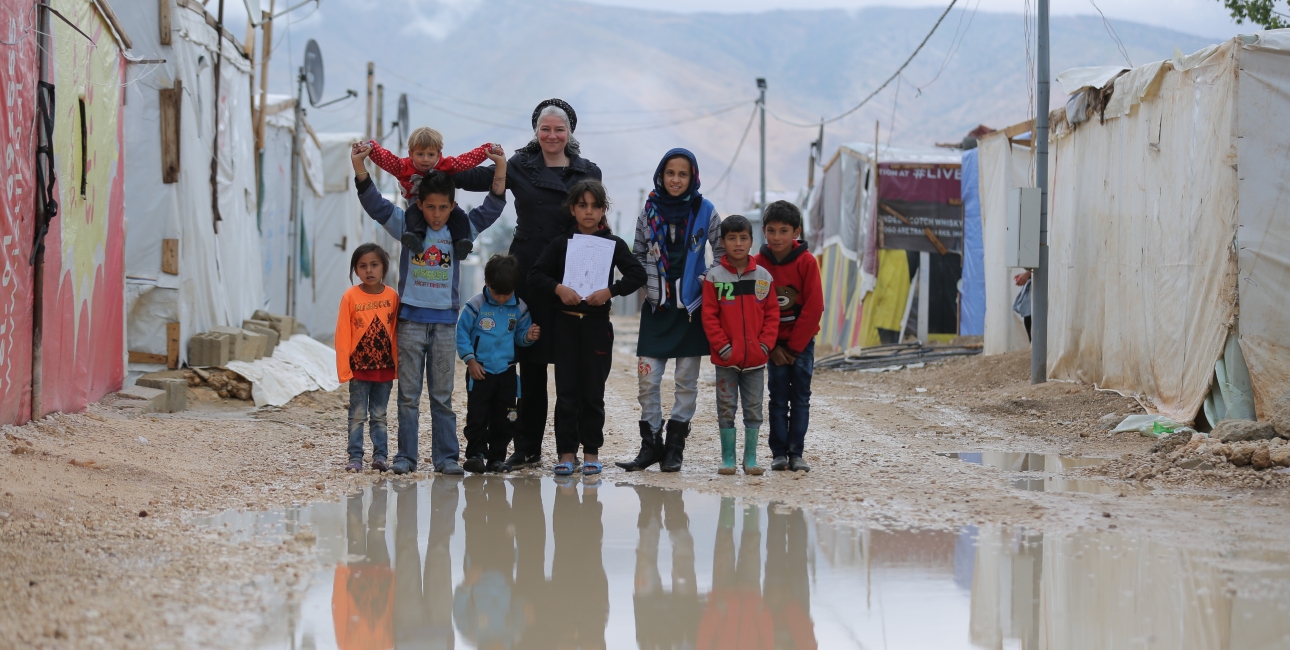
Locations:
(673, 232)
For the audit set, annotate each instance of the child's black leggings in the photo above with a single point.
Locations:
(490, 414)
(583, 354)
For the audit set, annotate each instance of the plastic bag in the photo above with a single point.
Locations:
(1154, 426)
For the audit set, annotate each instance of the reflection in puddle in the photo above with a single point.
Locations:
(492, 562)
(1012, 461)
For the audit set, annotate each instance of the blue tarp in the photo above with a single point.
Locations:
(972, 307)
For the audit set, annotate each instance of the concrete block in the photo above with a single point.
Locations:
(241, 347)
(285, 326)
(176, 389)
(153, 397)
(262, 327)
(208, 349)
(257, 343)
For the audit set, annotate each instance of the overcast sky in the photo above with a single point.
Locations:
(1201, 17)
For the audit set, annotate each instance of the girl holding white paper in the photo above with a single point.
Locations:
(583, 337)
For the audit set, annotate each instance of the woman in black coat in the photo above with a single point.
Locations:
(539, 177)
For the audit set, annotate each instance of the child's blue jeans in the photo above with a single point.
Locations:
(367, 402)
(790, 403)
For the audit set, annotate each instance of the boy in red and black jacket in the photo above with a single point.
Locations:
(741, 319)
(801, 304)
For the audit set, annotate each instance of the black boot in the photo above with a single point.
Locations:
(651, 449)
(673, 451)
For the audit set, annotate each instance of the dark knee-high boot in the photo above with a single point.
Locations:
(674, 448)
(651, 449)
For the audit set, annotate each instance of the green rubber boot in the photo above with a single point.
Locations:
(751, 467)
(727, 452)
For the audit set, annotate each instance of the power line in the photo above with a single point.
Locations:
(739, 148)
(880, 88)
(955, 44)
(1111, 31)
(650, 127)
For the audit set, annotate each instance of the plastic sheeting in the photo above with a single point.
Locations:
(1263, 214)
(298, 365)
(1076, 79)
(1143, 222)
(1001, 166)
(17, 207)
(972, 292)
(220, 280)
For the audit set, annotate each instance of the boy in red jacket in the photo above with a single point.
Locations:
(425, 153)
(801, 304)
(741, 319)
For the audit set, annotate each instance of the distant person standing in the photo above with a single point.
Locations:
(541, 174)
(1022, 303)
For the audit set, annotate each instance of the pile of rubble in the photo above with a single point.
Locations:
(1240, 450)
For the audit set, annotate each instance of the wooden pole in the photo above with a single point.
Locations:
(371, 79)
(267, 27)
(219, 58)
(163, 20)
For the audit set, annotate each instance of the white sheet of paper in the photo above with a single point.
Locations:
(587, 263)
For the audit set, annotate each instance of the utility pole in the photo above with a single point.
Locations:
(219, 58)
(761, 104)
(266, 26)
(817, 154)
(371, 78)
(1039, 288)
(293, 229)
(380, 124)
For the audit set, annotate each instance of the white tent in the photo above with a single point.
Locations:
(1004, 165)
(1168, 225)
(219, 280)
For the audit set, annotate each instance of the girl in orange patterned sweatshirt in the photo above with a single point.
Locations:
(365, 352)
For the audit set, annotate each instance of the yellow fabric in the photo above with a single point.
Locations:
(885, 306)
(838, 276)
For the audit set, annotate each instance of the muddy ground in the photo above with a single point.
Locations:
(101, 543)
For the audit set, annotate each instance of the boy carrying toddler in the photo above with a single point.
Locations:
(425, 154)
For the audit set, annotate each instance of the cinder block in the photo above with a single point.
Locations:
(256, 342)
(285, 326)
(153, 397)
(241, 348)
(208, 349)
(176, 390)
(262, 327)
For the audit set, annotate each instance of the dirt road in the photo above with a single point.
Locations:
(101, 543)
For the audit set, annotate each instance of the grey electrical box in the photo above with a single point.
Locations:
(1022, 250)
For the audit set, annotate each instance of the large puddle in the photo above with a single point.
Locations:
(493, 562)
(1052, 465)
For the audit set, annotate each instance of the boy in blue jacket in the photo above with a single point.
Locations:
(428, 303)
(492, 324)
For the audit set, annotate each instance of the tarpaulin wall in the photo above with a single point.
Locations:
(17, 204)
(1143, 225)
(220, 280)
(1002, 166)
(82, 354)
(1263, 214)
(972, 306)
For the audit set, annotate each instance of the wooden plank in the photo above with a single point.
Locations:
(146, 357)
(1018, 129)
(170, 256)
(105, 10)
(164, 22)
(172, 345)
(171, 101)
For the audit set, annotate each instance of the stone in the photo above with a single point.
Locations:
(1169, 443)
(1243, 430)
(154, 398)
(1109, 421)
(1279, 414)
(1280, 457)
(176, 389)
(1239, 455)
(1191, 463)
(1261, 459)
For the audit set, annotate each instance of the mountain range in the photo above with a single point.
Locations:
(645, 81)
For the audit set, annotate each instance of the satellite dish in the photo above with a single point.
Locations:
(403, 118)
(313, 72)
